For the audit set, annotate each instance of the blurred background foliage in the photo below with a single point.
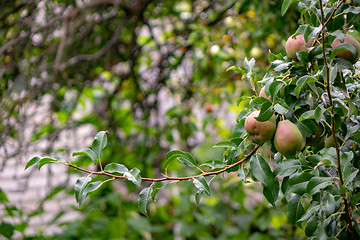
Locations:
(152, 73)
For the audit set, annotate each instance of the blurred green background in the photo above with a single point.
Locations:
(151, 73)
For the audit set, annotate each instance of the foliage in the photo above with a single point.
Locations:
(319, 186)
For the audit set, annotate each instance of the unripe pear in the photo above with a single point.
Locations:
(260, 132)
(347, 55)
(296, 44)
(288, 138)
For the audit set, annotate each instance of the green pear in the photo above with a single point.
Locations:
(296, 44)
(260, 132)
(288, 138)
(347, 55)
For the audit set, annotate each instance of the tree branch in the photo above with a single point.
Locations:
(327, 21)
(333, 132)
(246, 157)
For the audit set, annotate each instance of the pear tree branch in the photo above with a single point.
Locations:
(246, 157)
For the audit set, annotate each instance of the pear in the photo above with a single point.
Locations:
(347, 55)
(288, 139)
(260, 132)
(296, 44)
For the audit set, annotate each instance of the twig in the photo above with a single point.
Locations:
(328, 86)
(166, 177)
(327, 21)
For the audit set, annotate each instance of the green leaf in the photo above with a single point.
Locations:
(227, 144)
(157, 187)
(213, 164)
(319, 113)
(311, 211)
(143, 199)
(329, 157)
(198, 196)
(317, 183)
(99, 143)
(236, 68)
(201, 184)
(295, 209)
(83, 188)
(302, 82)
(249, 65)
(286, 168)
(86, 152)
(266, 112)
(333, 74)
(47, 160)
(91, 187)
(311, 225)
(134, 176)
(353, 110)
(307, 115)
(328, 204)
(182, 157)
(115, 168)
(307, 127)
(343, 47)
(271, 191)
(297, 183)
(282, 66)
(33, 161)
(3, 197)
(261, 171)
(355, 199)
(79, 188)
(281, 107)
(242, 173)
(349, 174)
(286, 4)
(351, 130)
(6, 229)
(274, 88)
(242, 98)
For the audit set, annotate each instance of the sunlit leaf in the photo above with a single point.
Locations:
(134, 176)
(286, 4)
(116, 168)
(47, 160)
(317, 183)
(33, 161)
(266, 111)
(157, 187)
(79, 188)
(99, 143)
(235, 68)
(144, 198)
(260, 170)
(202, 185)
(86, 152)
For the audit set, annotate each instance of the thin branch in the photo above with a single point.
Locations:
(327, 21)
(71, 14)
(98, 54)
(333, 132)
(246, 157)
(61, 45)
